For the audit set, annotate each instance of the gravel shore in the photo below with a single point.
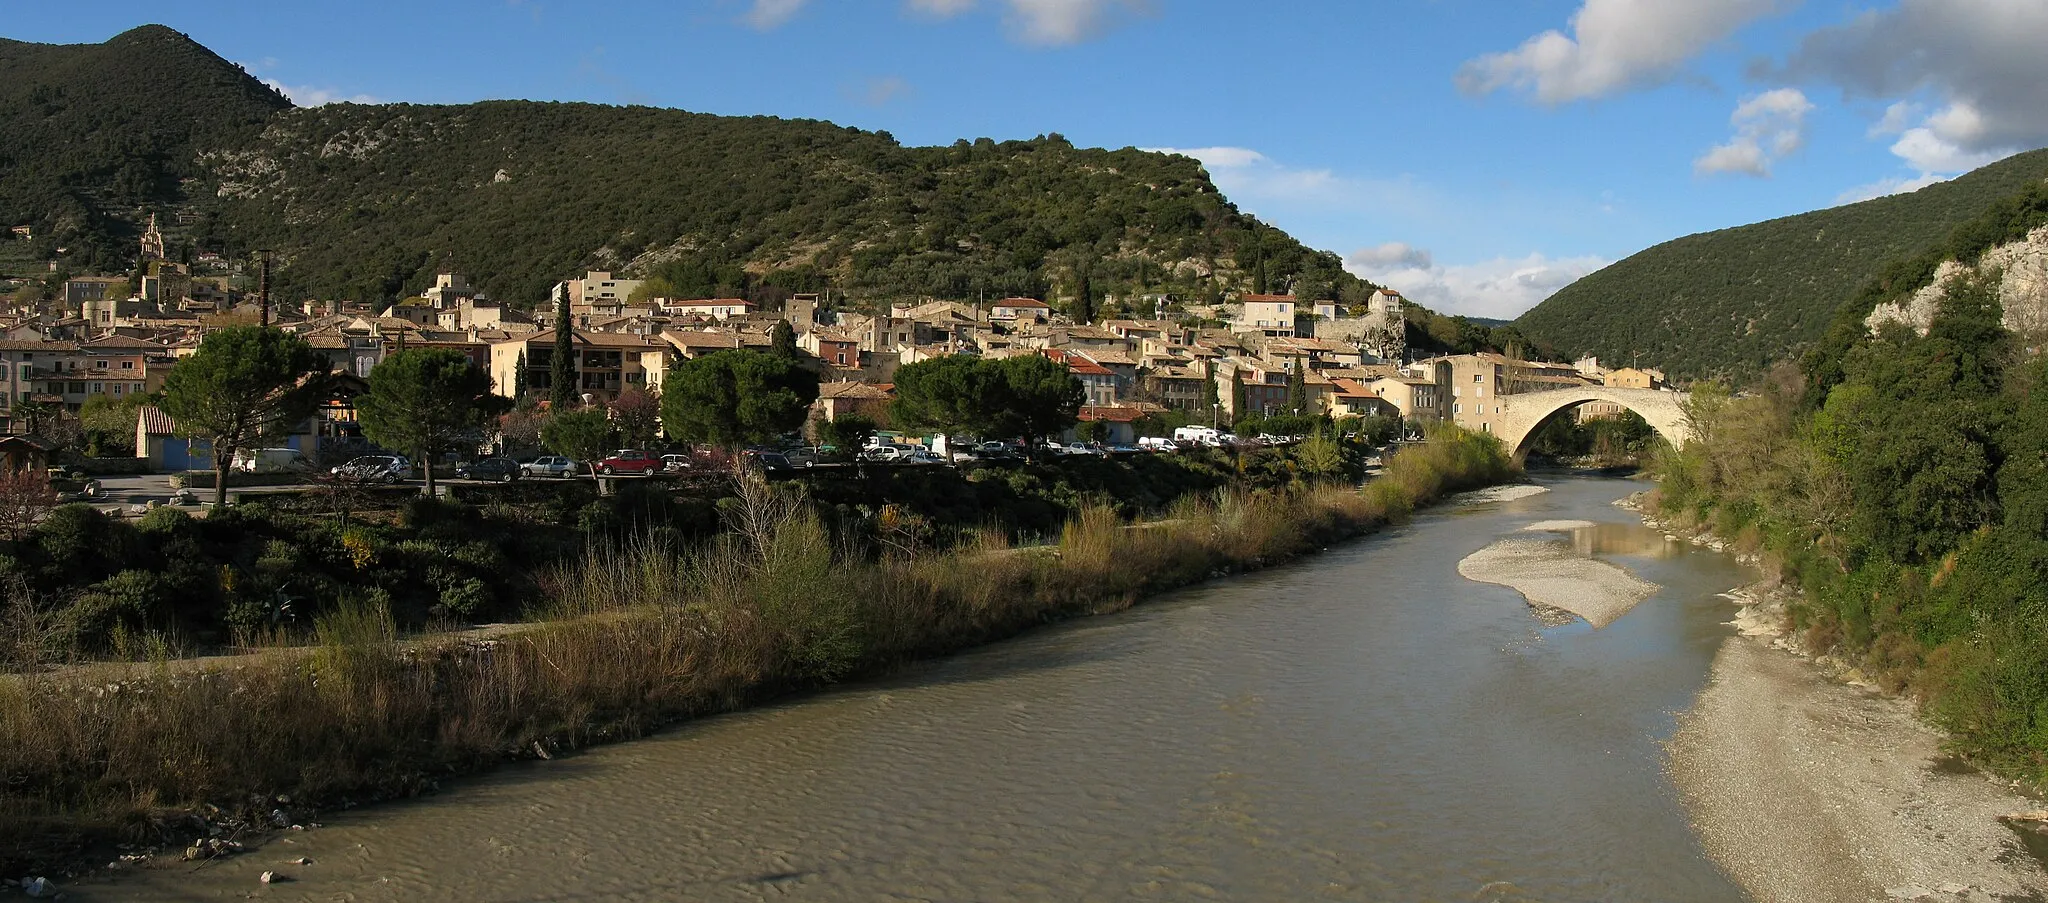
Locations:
(1808, 790)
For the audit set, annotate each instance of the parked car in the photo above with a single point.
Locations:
(496, 470)
(1079, 448)
(918, 455)
(675, 463)
(1156, 443)
(268, 460)
(629, 460)
(766, 460)
(803, 457)
(375, 469)
(551, 466)
(885, 452)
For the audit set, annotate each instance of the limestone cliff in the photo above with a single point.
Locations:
(2022, 288)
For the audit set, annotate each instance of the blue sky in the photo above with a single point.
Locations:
(1477, 154)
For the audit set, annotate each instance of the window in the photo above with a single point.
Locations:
(98, 388)
(1478, 391)
(127, 365)
(117, 388)
(1457, 408)
(99, 365)
(1477, 378)
(1486, 427)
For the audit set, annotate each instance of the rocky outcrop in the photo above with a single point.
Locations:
(2022, 288)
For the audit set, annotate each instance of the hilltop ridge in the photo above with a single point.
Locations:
(367, 202)
(1732, 301)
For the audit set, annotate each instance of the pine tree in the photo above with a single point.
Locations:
(782, 340)
(562, 369)
(1297, 389)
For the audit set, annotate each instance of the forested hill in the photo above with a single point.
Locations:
(92, 133)
(369, 201)
(372, 199)
(1731, 302)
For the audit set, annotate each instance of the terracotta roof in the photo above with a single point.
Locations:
(695, 339)
(1110, 356)
(1020, 302)
(586, 337)
(1267, 299)
(851, 389)
(154, 421)
(1077, 364)
(1350, 388)
(1116, 414)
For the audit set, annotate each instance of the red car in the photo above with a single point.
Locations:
(630, 460)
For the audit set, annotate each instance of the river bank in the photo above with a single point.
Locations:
(1805, 783)
(771, 610)
(1362, 724)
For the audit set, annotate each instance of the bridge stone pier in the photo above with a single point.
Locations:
(1523, 414)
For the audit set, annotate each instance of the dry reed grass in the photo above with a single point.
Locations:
(632, 638)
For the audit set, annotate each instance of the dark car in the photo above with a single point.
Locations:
(496, 470)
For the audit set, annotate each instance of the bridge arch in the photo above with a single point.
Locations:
(1522, 415)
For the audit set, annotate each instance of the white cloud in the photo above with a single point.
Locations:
(1614, 44)
(1978, 63)
(1896, 117)
(768, 14)
(1394, 255)
(310, 96)
(1887, 186)
(1767, 126)
(1254, 180)
(1501, 288)
(876, 92)
(1048, 23)
(941, 8)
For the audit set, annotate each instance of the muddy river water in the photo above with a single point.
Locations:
(1366, 724)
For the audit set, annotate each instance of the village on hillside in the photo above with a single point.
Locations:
(1259, 355)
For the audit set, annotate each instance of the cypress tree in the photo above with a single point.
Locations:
(562, 369)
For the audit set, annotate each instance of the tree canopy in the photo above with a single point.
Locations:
(426, 401)
(1028, 396)
(244, 386)
(734, 398)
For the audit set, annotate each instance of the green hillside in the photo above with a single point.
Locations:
(368, 202)
(1735, 300)
(92, 133)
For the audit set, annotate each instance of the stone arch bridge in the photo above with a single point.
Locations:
(1523, 414)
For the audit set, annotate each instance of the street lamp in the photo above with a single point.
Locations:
(1216, 415)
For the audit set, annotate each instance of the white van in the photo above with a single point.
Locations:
(1201, 435)
(267, 460)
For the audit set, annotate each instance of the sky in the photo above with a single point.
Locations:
(1476, 154)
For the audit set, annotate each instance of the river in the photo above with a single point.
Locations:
(1365, 724)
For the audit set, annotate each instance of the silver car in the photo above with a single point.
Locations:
(551, 466)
